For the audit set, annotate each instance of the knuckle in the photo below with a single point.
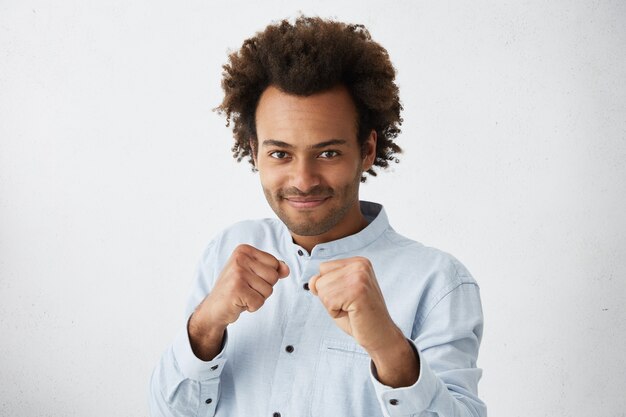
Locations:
(324, 267)
(364, 262)
(238, 269)
(273, 277)
(255, 304)
(361, 287)
(242, 247)
(358, 285)
(237, 257)
(358, 275)
(241, 251)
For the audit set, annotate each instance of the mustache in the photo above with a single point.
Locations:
(317, 191)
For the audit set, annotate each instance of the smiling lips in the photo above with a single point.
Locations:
(305, 203)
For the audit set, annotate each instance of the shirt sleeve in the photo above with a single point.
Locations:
(447, 345)
(181, 383)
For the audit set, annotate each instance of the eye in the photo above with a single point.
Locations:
(329, 154)
(278, 154)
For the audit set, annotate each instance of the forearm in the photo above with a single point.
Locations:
(397, 365)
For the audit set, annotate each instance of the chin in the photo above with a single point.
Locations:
(307, 229)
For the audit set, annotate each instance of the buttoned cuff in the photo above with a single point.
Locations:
(406, 401)
(190, 365)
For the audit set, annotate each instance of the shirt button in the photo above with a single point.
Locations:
(306, 286)
(276, 414)
(289, 348)
(214, 367)
(208, 401)
(393, 401)
(299, 253)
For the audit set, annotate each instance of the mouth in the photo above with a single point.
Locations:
(305, 202)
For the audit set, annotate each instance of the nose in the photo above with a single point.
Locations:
(304, 175)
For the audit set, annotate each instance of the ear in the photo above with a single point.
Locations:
(369, 150)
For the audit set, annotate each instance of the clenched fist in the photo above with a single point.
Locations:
(349, 291)
(244, 284)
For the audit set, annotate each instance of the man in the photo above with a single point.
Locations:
(327, 311)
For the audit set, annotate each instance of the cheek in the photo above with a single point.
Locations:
(346, 172)
(270, 178)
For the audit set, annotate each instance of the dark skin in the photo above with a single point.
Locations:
(310, 163)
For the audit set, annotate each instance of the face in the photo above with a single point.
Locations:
(309, 160)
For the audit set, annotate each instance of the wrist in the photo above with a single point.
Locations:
(199, 330)
(205, 338)
(393, 346)
(397, 365)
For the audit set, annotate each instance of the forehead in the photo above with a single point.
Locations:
(330, 114)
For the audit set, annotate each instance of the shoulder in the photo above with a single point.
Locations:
(260, 233)
(416, 278)
(430, 261)
(250, 228)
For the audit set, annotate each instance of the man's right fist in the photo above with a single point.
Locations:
(244, 284)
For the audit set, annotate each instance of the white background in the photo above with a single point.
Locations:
(114, 174)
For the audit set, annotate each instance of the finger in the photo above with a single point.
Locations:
(250, 300)
(337, 314)
(328, 281)
(326, 267)
(283, 270)
(260, 285)
(313, 284)
(263, 257)
(261, 270)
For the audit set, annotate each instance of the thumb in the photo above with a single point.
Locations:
(283, 269)
(312, 283)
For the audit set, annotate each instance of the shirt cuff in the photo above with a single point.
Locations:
(407, 400)
(190, 365)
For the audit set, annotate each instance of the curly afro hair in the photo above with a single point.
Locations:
(309, 56)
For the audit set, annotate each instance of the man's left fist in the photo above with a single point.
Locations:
(349, 291)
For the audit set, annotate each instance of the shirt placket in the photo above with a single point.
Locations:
(292, 353)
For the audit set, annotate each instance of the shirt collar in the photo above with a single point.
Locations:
(378, 223)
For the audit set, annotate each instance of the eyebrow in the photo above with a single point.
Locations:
(281, 144)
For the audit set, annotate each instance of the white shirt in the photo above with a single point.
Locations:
(289, 359)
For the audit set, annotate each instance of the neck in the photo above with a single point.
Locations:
(353, 222)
